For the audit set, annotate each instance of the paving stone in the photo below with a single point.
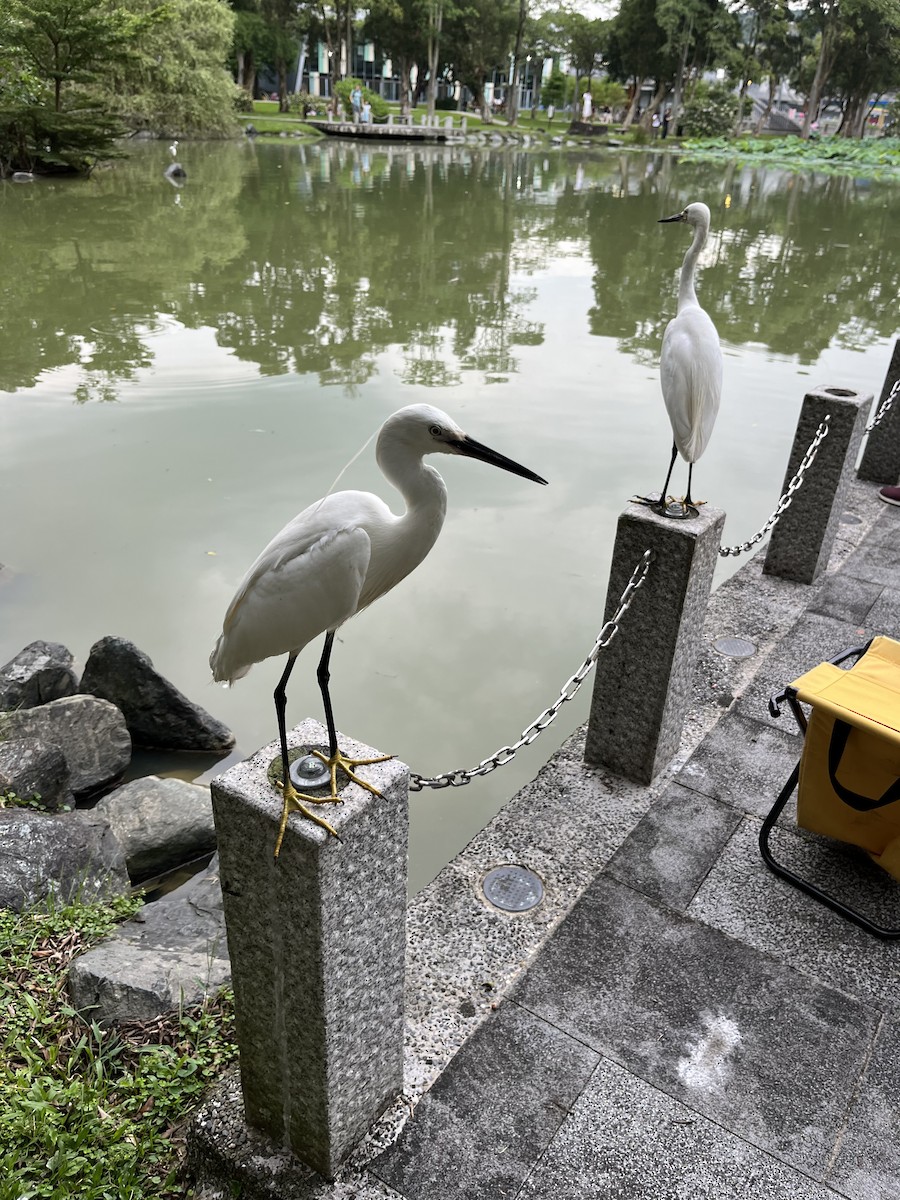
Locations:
(669, 853)
(744, 899)
(744, 762)
(811, 640)
(884, 615)
(479, 1130)
(624, 1140)
(846, 598)
(877, 559)
(867, 1164)
(763, 1050)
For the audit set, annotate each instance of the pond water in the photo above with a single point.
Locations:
(183, 369)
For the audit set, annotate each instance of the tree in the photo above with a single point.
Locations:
(636, 48)
(396, 25)
(868, 59)
(478, 42)
(177, 83)
(64, 42)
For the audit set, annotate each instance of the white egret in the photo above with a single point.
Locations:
(173, 149)
(332, 561)
(690, 364)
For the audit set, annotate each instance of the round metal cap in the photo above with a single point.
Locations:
(309, 772)
(735, 647)
(512, 888)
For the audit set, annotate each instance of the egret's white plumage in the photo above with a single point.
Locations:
(690, 364)
(337, 556)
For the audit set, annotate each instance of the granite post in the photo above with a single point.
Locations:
(317, 944)
(642, 687)
(881, 455)
(800, 544)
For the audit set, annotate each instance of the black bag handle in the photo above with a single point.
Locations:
(839, 735)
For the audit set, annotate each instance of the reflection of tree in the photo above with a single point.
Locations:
(408, 248)
(797, 262)
(319, 259)
(89, 264)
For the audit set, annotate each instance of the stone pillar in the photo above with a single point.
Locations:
(642, 688)
(317, 943)
(464, 123)
(800, 544)
(881, 457)
(390, 119)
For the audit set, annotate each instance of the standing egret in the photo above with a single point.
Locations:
(690, 365)
(331, 562)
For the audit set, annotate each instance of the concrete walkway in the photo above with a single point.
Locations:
(672, 1021)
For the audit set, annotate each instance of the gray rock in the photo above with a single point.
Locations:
(91, 734)
(161, 823)
(172, 954)
(41, 672)
(33, 770)
(157, 714)
(67, 854)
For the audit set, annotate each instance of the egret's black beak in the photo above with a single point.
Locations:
(665, 220)
(472, 449)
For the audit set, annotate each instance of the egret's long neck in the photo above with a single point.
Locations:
(420, 486)
(686, 293)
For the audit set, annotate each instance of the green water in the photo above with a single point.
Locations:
(184, 369)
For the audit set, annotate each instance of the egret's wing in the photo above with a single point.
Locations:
(306, 581)
(690, 369)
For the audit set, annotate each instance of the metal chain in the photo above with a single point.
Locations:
(883, 411)
(569, 690)
(784, 502)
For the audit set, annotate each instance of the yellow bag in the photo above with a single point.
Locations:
(850, 767)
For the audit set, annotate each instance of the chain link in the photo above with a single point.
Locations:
(883, 411)
(568, 691)
(784, 502)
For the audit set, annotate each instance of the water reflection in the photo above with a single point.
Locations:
(532, 293)
(317, 259)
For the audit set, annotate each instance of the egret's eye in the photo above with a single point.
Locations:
(436, 431)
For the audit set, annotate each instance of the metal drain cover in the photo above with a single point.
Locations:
(512, 888)
(735, 647)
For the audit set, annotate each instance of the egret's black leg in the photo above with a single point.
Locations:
(665, 490)
(324, 677)
(335, 759)
(687, 498)
(280, 698)
(291, 797)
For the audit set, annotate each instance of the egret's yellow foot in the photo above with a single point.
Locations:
(292, 803)
(347, 765)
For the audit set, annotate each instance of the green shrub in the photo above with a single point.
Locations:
(710, 112)
(345, 86)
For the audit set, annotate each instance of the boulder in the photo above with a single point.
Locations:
(161, 823)
(41, 672)
(158, 715)
(91, 734)
(171, 955)
(71, 855)
(33, 770)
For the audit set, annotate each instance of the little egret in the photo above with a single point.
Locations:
(331, 562)
(690, 365)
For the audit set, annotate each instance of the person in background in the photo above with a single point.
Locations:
(366, 113)
(587, 106)
(356, 102)
(655, 124)
(667, 117)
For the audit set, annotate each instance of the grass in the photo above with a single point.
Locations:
(88, 1112)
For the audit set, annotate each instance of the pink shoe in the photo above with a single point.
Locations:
(891, 495)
